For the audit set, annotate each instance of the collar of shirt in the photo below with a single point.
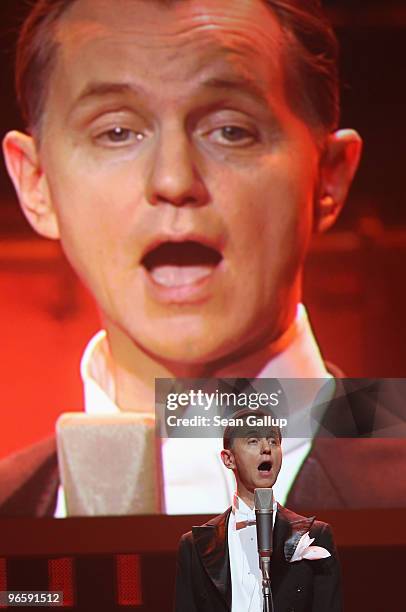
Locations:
(244, 516)
(97, 376)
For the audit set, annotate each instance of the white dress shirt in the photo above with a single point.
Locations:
(246, 579)
(195, 479)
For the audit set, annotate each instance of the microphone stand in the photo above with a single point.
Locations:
(264, 522)
(266, 584)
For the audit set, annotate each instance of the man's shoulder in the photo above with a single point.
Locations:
(299, 521)
(290, 516)
(218, 520)
(29, 480)
(217, 523)
(298, 525)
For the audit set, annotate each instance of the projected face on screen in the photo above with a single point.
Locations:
(179, 153)
(183, 185)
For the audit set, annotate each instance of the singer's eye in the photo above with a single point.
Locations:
(253, 440)
(234, 135)
(118, 135)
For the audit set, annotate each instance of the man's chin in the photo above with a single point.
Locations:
(187, 347)
(190, 359)
(264, 480)
(198, 345)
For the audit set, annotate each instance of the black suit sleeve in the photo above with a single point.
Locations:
(184, 598)
(327, 595)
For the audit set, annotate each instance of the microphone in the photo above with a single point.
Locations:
(264, 516)
(110, 464)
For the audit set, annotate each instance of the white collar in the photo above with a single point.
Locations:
(239, 505)
(299, 357)
(97, 376)
(242, 512)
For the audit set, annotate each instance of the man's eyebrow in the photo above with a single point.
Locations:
(101, 89)
(252, 433)
(240, 85)
(261, 433)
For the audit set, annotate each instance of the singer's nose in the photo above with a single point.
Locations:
(175, 177)
(266, 447)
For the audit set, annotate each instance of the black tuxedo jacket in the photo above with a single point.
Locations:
(349, 465)
(203, 582)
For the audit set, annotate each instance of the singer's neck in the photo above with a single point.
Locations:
(246, 496)
(135, 370)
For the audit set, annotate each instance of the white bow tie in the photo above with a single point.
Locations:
(244, 519)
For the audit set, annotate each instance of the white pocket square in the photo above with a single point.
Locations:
(304, 550)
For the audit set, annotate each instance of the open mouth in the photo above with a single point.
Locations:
(175, 264)
(265, 466)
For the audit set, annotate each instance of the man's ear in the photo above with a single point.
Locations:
(24, 167)
(338, 165)
(227, 457)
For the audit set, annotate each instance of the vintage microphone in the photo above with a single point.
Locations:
(264, 519)
(110, 464)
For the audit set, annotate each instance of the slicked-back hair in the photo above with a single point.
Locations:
(233, 431)
(311, 56)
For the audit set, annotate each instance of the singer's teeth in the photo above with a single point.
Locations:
(265, 466)
(176, 276)
(176, 264)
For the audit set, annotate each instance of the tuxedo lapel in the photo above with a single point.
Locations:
(351, 412)
(289, 528)
(29, 481)
(293, 527)
(212, 547)
(338, 473)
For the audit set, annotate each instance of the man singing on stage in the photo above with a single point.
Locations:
(218, 563)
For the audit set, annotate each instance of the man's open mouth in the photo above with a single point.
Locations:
(175, 264)
(265, 466)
